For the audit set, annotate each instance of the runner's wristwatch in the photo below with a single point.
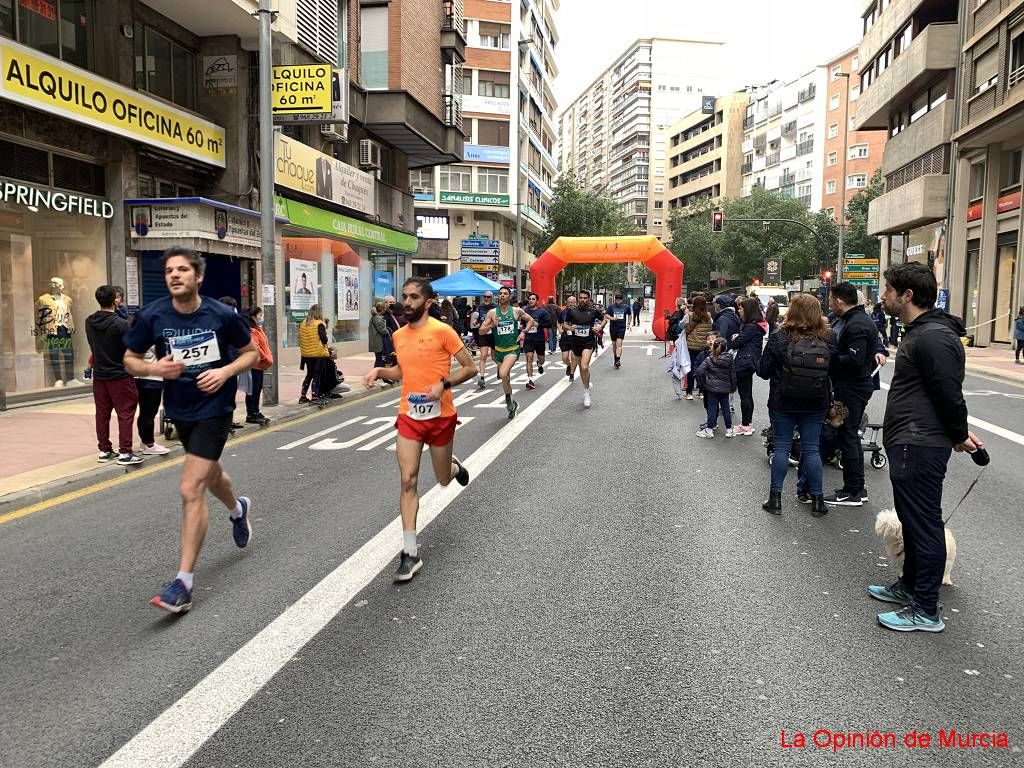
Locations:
(445, 383)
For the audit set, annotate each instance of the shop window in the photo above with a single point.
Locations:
(976, 185)
(492, 180)
(61, 28)
(164, 68)
(1003, 311)
(1009, 176)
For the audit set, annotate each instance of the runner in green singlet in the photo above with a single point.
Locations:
(504, 320)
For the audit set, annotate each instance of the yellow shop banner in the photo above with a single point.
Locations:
(47, 84)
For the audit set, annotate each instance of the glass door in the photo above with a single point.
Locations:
(971, 299)
(1003, 310)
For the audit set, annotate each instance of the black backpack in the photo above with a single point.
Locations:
(674, 329)
(805, 370)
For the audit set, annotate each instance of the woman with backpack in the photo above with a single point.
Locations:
(697, 330)
(796, 362)
(748, 343)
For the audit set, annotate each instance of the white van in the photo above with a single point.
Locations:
(777, 292)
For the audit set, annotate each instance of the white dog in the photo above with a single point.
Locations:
(890, 531)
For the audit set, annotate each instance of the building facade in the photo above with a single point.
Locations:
(983, 270)
(863, 149)
(509, 165)
(704, 157)
(150, 139)
(783, 132)
(907, 64)
(610, 134)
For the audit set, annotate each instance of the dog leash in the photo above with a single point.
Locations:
(969, 489)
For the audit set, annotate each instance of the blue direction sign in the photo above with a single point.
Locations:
(478, 247)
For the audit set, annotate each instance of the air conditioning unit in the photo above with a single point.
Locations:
(369, 154)
(460, 219)
(334, 131)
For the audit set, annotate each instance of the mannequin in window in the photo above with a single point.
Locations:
(56, 325)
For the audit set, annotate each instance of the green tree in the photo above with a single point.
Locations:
(576, 212)
(746, 244)
(694, 243)
(857, 239)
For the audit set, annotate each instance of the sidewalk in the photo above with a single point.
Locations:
(51, 448)
(997, 363)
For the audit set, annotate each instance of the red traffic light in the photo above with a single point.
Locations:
(717, 221)
(827, 274)
(757, 281)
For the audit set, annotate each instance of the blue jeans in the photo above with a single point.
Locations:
(552, 341)
(809, 424)
(714, 401)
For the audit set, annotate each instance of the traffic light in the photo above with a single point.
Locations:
(827, 275)
(717, 221)
(757, 281)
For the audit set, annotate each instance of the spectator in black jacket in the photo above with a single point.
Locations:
(851, 371)
(727, 322)
(747, 343)
(925, 419)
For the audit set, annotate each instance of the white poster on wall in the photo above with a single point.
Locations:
(305, 281)
(348, 292)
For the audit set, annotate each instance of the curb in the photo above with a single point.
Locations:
(281, 414)
(1004, 376)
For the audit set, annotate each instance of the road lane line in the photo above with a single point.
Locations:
(174, 736)
(137, 473)
(995, 429)
(321, 433)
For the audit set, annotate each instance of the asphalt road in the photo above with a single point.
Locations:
(606, 591)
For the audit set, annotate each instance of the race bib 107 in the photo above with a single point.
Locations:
(422, 409)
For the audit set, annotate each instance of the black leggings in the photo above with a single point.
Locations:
(1020, 349)
(745, 386)
(313, 366)
(149, 406)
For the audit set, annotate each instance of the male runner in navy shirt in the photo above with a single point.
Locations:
(199, 397)
(619, 314)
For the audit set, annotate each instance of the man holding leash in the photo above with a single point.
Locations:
(925, 420)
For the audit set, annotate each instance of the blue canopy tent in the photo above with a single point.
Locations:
(465, 282)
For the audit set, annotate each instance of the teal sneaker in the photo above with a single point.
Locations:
(897, 593)
(909, 618)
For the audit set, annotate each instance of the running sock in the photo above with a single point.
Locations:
(237, 511)
(186, 579)
(508, 400)
(409, 543)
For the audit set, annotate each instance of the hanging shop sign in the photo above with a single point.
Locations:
(223, 229)
(473, 198)
(47, 84)
(301, 88)
(338, 113)
(220, 75)
(54, 200)
(330, 223)
(480, 153)
(302, 168)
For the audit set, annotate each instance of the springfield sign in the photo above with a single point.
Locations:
(47, 84)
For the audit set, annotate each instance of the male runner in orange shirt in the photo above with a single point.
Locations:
(426, 414)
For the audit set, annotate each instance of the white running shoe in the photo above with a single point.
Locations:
(586, 398)
(155, 450)
(707, 434)
(730, 432)
(689, 397)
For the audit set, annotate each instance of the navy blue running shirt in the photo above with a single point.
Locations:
(618, 315)
(201, 341)
(540, 315)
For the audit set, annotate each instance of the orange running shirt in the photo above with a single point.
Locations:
(425, 357)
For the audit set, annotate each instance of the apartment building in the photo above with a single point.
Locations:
(509, 164)
(608, 131)
(863, 149)
(983, 270)
(704, 156)
(161, 148)
(907, 64)
(783, 132)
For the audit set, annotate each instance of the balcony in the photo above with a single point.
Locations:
(807, 94)
(788, 178)
(915, 203)
(748, 122)
(772, 159)
(399, 120)
(934, 50)
(453, 42)
(746, 168)
(760, 142)
(789, 128)
(805, 146)
(919, 138)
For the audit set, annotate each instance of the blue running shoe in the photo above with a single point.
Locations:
(910, 618)
(241, 528)
(897, 593)
(176, 598)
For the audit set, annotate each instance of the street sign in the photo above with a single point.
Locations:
(479, 259)
(862, 281)
(773, 271)
(301, 89)
(848, 268)
(861, 276)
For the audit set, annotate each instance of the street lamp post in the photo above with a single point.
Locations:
(523, 45)
(268, 250)
(842, 203)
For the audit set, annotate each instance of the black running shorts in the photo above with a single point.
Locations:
(205, 438)
(486, 340)
(577, 344)
(537, 347)
(618, 333)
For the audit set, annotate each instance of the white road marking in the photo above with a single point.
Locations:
(499, 402)
(650, 350)
(174, 736)
(330, 444)
(995, 429)
(321, 433)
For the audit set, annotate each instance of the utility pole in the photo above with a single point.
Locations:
(842, 204)
(268, 250)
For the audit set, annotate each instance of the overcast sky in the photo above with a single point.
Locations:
(766, 39)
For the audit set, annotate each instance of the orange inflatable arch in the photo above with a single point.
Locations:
(609, 250)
